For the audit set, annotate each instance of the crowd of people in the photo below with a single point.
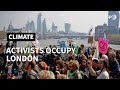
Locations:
(82, 65)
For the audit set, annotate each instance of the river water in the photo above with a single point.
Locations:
(47, 42)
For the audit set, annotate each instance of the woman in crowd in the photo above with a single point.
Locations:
(83, 65)
(73, 72)
(80, 56)
(70, 56)
(104, 57)
(62, 76)
(103, 72)
(31, 74)
(60, 66)
(45, 74)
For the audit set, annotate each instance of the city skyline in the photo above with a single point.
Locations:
(81, 21)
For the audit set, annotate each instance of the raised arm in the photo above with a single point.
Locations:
(91, 70)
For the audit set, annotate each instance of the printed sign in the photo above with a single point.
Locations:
(20, 36)
(103, 45)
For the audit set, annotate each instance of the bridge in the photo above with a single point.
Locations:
(63, 36)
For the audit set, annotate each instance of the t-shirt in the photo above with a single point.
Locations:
(70, 75)
(102, 75)
(75, 75)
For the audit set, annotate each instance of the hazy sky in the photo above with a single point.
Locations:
(81, 21)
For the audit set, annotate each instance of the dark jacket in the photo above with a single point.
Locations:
(114, 68)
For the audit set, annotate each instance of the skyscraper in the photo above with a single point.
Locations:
(10, 27)
(44, 26)
(28, 25)
(39, 28)
(32, 26)
(54, 28)
(4, 29)
(67, 28)
(113, 21)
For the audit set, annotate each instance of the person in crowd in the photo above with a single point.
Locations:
(81, 48)
(100, 55)
(60, 66)
(114, 65)
(70, 56)
(104, 57)
(62, 76)
(2, 49)
(66, 67)
(35, 66)
(93, 51)
(73, 72)
(86, 52)
(118, 56)
(95, 67)
(103, 72)
(95, 64)
(80, 56)
(31, 74)
(90, 57)
(45, 74)
(83, 65)
(84, 69)
(15, 69)
(89, 50)
(7, 44)
(110, 49)
(42, 66)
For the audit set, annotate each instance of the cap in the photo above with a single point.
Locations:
(105, 56)
(95, 59)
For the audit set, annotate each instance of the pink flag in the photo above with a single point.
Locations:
(103, 45)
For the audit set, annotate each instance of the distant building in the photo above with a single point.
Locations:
(24, 30)
(16, 31)
(44, 26)
(54, 28)
(10, 27)
(4, 29)
(100, 30)
(39, 24)
(119, 30)
(67, 28)
(113, 22)
(112, 28)
(30, 26)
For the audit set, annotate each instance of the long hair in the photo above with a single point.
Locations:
(106, 64)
